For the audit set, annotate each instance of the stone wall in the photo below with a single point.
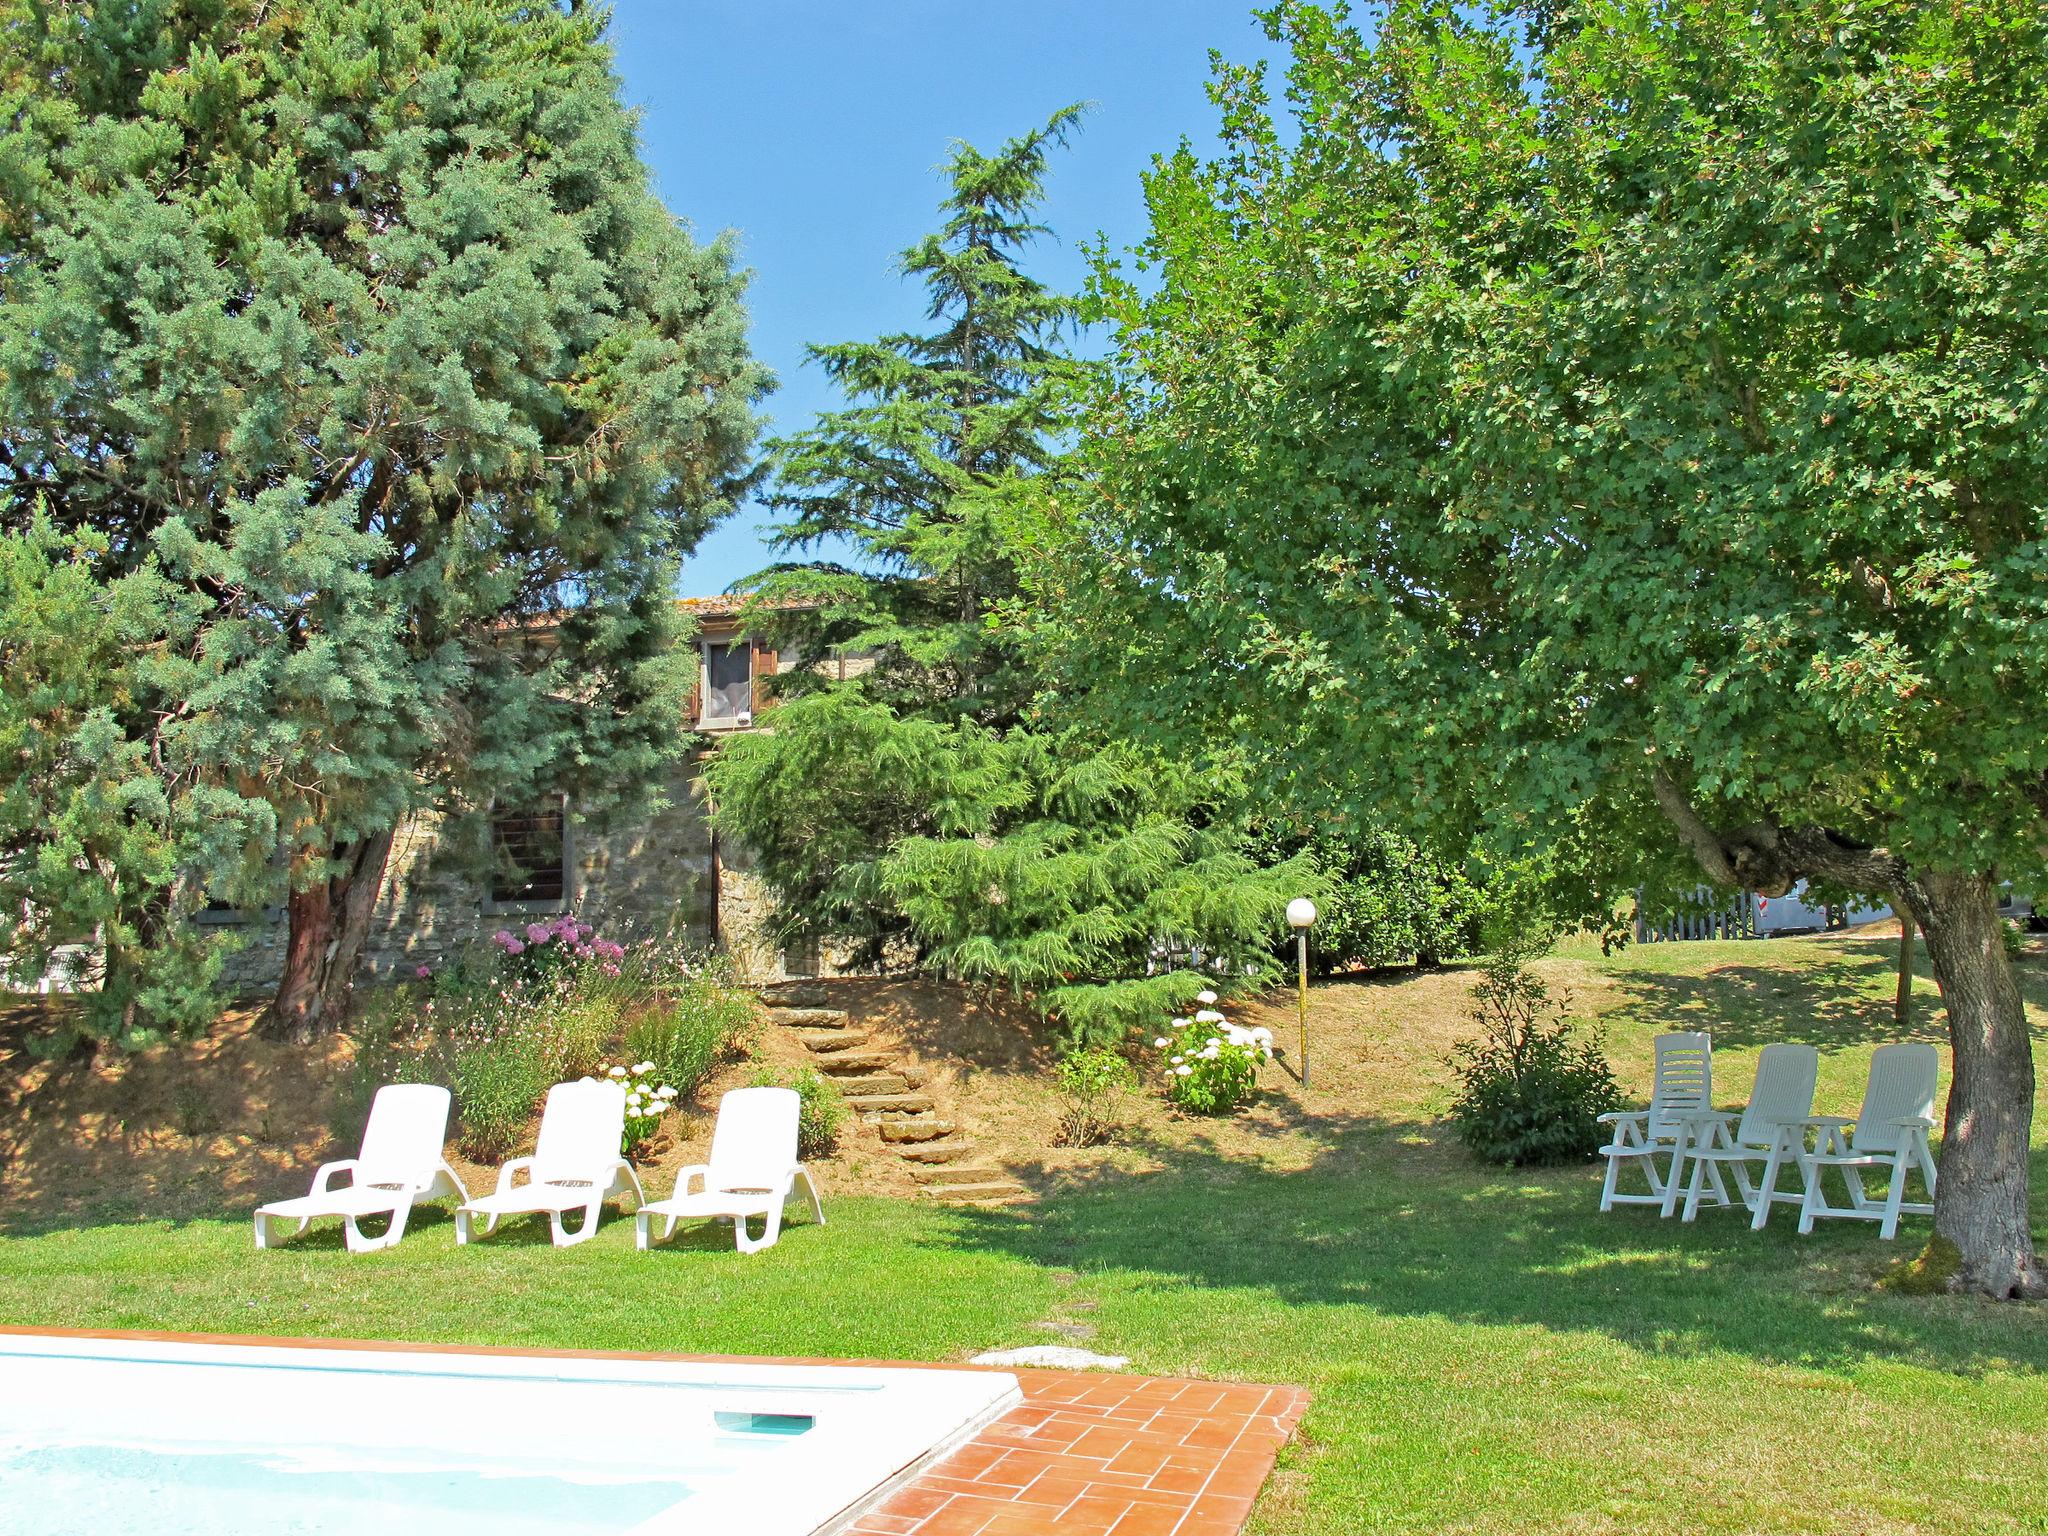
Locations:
(643, 873)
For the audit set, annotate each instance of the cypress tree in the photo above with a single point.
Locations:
(355, 328)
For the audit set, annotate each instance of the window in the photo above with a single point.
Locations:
(728, 683)
(529, 863)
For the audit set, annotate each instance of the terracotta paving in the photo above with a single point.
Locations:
(1101, 1455)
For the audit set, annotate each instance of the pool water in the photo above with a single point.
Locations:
(178, 1438)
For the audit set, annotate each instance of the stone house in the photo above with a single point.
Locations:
(625, 873)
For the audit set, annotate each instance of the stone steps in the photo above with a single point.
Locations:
(872, 1106)
(826, 1041)
(813, 1018)
(871, 1084)
(915, 1128)
(884, 1089)
(1004, 1192)
(960, 1173)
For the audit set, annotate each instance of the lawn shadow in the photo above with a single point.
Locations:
(1833, 1004)
(1415, 1230)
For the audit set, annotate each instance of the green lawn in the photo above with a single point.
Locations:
(1486, 1352)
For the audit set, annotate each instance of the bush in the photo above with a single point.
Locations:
(701, 1019)
(1531, 1086)
(822, 1111)
(1095, 1087)
(1212, 1065)
(1381, 899)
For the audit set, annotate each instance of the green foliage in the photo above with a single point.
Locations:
(354, 334)
(1095, 1084)
(695, 1024)
(822, 1111)
(97, 831)
(1531, 1088)
(1103, 884)
(1648, 393)
(1385, 899)
(944, 438)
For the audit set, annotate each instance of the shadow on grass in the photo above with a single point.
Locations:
(1841, 1002)
(1448, 1240)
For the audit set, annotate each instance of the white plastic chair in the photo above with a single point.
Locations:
(1771, 1131)
(400, 1163)
(575, 1165)
(1890, 1133)
(752, 1172)
(1684, 1084)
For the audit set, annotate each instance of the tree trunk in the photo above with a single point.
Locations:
(1902, 1004)
(353, 897)
(1981, 1204)
(327, 922)
(309, 919)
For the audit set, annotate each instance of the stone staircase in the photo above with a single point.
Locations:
(890, 1094)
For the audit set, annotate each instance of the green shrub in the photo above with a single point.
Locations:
(1095, 1087)
(1381, 898)
(1531, 1087)
(697, 1022)
(821, 1113)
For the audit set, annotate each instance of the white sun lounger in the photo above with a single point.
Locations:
(1770, 1131)
(400, 1163)
(752, 1172)
(1684, 1083)
(575, 1165)
(1890, 1134)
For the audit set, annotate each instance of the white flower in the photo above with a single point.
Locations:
(1161, 1043)
(1208, 1016)
(1184, 1071)
(616, 1072)
(1177, 1059)
(645, 1066)
(1182, 1023)
(1205, 997)
(665, 1091)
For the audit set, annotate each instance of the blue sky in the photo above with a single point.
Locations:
(815, 128)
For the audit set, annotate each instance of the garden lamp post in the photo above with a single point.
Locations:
(1301, 915)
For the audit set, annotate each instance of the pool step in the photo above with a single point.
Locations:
(944, 1149)
(911, 1129)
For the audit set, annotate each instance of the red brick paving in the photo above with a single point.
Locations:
(1094, 1455)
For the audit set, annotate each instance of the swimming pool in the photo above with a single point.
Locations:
(170, 1437)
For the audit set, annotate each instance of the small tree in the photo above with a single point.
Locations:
(1620, 425)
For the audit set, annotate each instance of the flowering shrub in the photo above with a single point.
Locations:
(646, 1102)
(540, 950)
(1212, 1065)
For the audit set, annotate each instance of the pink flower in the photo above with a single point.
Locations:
(513, 946)
(504, 937)
(423, 972)
(537, 933)
(610, 969)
